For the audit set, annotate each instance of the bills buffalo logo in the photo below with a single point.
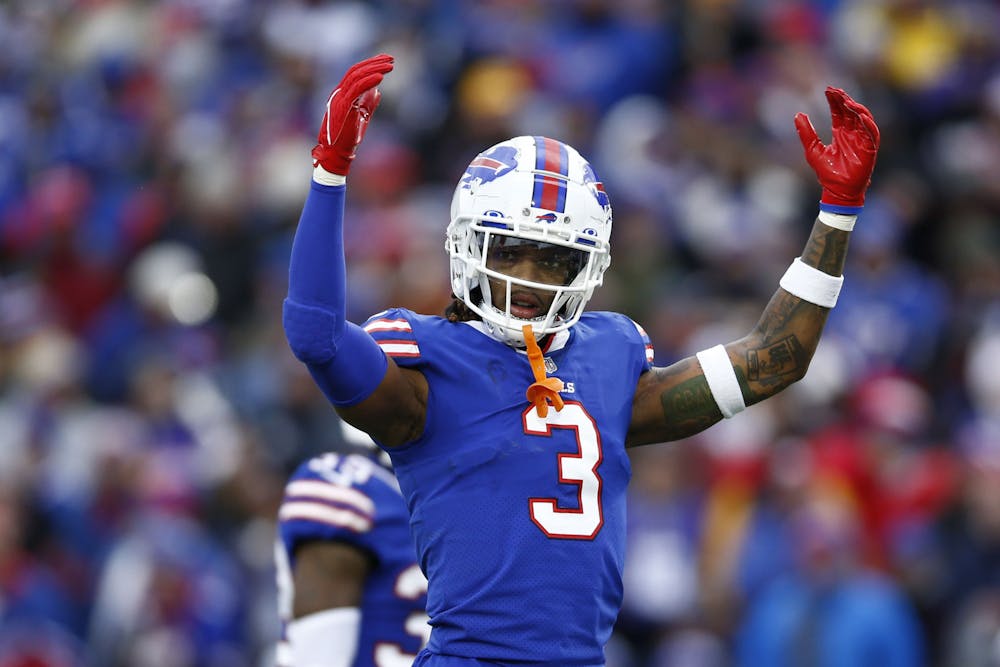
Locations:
(490, 166)
(546, 217)
(596, 187)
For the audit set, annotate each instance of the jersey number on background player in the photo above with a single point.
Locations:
(410, 585)
(583, 522)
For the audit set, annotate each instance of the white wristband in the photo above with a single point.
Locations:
(838, 220)
(324, 177)
(811, 284)
(721, 377)
(326, 638)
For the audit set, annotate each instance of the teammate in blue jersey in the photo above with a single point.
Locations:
(508, 418)
(350, 593)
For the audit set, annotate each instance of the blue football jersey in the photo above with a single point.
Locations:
(352, 499)
(519, 521)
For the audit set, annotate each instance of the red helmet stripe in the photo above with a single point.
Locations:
(549, 192)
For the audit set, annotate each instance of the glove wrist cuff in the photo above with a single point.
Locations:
(324, 177)
(841, 209)
(838, 220)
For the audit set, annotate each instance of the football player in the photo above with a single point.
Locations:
(350, 593)
(508, 418)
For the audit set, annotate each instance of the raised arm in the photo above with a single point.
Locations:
(367, 388)
(689, 396)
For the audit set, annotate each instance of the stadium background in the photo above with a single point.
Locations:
(153, 159)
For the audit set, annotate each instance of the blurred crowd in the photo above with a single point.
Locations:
(154, 156)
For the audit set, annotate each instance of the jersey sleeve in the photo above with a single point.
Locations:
(320, 506)
(647, 344)
(395, 333)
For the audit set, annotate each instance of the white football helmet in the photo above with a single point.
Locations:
(535, 191)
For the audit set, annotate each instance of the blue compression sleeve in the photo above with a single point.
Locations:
(343, 359)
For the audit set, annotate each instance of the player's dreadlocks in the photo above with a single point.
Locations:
(457, 311)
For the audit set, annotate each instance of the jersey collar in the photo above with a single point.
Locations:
(556, 341)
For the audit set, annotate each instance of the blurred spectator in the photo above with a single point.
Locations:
(170, 596)
(829, 610)
(960, 559)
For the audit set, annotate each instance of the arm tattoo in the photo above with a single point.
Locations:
(691, 398)
(779, 312)
(775, 354)
(789, 329)
(826, 249)
(770, 362)
(688, 406)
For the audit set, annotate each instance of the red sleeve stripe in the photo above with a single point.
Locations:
(317, 490)
(325, 514)
(399, 348)
(645, 339)
(387, 325)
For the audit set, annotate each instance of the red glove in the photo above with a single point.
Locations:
(844, 167)
(348, 111)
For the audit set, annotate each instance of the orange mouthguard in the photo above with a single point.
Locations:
(543, 390)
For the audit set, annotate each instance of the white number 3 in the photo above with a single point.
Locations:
(584, 521)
